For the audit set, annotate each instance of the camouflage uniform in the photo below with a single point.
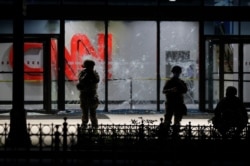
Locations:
(88, 95)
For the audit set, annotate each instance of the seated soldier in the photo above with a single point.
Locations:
(230, 113)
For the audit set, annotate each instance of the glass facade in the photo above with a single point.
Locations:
(132, 60)
(137, 51)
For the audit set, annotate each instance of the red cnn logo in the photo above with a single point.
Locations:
(80, 47)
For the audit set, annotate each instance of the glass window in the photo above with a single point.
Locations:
(36, 54)
(180, 46)
(246, 73)
(132, 80)
(6, 70)
(41, 27)
(221, 2)
(43, 2)
(6, 27)
(83, 40)
(131, 61)
(221, 28)
(85, 2)
(245, 28)
(33, 75)
(222, 70)
(132, 2)
(180, 3)
(54, 72)
(212, 75)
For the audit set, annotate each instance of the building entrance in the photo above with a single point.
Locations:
(227, 64)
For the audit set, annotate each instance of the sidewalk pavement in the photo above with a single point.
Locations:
(108, 118)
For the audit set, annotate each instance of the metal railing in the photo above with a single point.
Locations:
(141, 142)
(70, 136)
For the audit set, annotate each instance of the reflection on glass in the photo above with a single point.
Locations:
(221, 28)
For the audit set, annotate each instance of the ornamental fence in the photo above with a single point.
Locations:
(73, 136)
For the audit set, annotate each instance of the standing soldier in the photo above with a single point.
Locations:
(88, 84)
(174, 90)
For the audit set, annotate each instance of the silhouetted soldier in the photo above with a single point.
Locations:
(88, 84)
(230, 113)
(174, 105)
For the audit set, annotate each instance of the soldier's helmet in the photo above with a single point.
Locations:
(231, 91)
(176, 69)
(88, 64)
